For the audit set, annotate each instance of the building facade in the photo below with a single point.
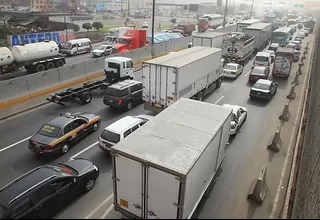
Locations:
(41, 5)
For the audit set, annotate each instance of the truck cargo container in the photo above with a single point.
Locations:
(184, 29)
(208, 39)
(238, 47)
(164, 168)
(246, 23)
(190, 73)
(309, 24)
(35, 57)
(131, 40)
(114, 34)
(261, 33)
(283, 62)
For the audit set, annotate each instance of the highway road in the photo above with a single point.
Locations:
(165, 21)
(16, 158)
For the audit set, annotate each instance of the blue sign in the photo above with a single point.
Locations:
(35, 37)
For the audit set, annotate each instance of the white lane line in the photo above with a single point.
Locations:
(218, 100)
(99, 207)
(107, 212)
(84, 150)
(247, 73)
(12, 145)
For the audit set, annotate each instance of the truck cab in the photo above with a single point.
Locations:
(132, 39)
(118, 68)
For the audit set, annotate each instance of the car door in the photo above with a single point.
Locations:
(136, 92)
(239, 118)
(272, 87)
(108, 50)
(70, 131)
(242, 115)
(81, 127)
(266, 73)
(65, 190)
(24, 208)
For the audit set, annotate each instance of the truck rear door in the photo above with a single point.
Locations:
(129, 184)
(163, 195)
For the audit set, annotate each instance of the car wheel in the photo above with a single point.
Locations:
(95, 126)
(129, 105)
(64, 149)
(200, 96)
(103, 55)
(74, 53)
(90, 184)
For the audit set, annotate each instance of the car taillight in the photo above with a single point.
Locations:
(148, 102)
(120, 101)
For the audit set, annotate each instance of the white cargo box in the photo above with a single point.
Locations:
(181, 74)
(208, 39)
(163, 169)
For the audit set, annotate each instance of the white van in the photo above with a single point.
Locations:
(77, 46)
(263, 59)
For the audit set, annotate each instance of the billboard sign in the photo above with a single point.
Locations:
(57, 36)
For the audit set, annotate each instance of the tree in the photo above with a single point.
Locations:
(173, 21)
(87, 26)
(97, 25)
(76, 27)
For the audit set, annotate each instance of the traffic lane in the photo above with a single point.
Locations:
(33, 120)
(254, 134)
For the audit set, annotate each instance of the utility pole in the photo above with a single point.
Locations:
(153, 15)
(225, 14)
(251, 8)
(128, 8)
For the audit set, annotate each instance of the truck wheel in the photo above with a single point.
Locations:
(85, 98)
(59, 63)
(200, 96)
(50, 65)
(74, 53)
(219, 83)
(40, 67)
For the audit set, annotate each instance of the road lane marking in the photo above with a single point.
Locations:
(247, 73)
(218, 100)
(84, 150)
(99, 207)
(12, 145)
(107, 212)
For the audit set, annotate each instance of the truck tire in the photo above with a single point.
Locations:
(72, 97)
(50, 65)
(200, 96)
(40, 67)
(85, 98)
(219, 83)
(30, 69)
(59, 63)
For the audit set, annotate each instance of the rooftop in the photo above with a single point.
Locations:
(123, 124)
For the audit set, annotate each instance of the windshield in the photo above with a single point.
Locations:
(202, 21)
(66, 46)
(63, 169)
(261, 86)
(231, 67)
(261, 59)
(112, 65)
(49, 131)
(116, 92)
(124, 41)
(102, 47)
(110, 136)
(258, 71)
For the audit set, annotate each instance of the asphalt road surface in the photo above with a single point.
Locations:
(16, 158)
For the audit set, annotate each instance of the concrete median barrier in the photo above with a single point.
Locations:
(296, 79)
(276, 140)
(285, 113)
(292, 93)
(259, 188)
(92, 66)
(67, 73)
(159, 50)
(43, 80)
(145, 53)
(170, 46)
(16, 88)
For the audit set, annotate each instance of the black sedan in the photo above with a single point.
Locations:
(59, 134)
(264, 89)
(41, 192)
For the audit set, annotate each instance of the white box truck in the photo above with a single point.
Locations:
(208, 39)
(190, 73)
(261, 33)
(163, 169)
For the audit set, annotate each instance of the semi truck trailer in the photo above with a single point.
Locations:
(190, 73)
(208, 39)
(164, 168)
(261, 33)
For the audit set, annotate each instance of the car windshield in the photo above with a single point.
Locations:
(124, 41)
(63, 169)
(261, 86)
(231, 67)
(66, 46)
(102, 47)
(116, 92)
(258, 71)
(261, 59)
(49, 131)
(110, 136)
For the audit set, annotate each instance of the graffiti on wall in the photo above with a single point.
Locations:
(57, 36)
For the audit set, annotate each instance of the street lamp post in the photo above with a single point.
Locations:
(225, 14)
(251, 11)
(153, 15)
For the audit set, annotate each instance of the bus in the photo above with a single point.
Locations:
(214, 20)
(291, 22)
(241, 26)
(282, 36)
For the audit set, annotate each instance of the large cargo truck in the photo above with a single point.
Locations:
(35, 57)
(131, 40)
(163, 169)
(184, 29)
(208, 39)
(237, 47)
(114, 34)
(283, 62)
(261, 33)
(190, 73)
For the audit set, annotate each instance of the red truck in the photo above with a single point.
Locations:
(203, 24)
(184, 29)
(132, 39)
